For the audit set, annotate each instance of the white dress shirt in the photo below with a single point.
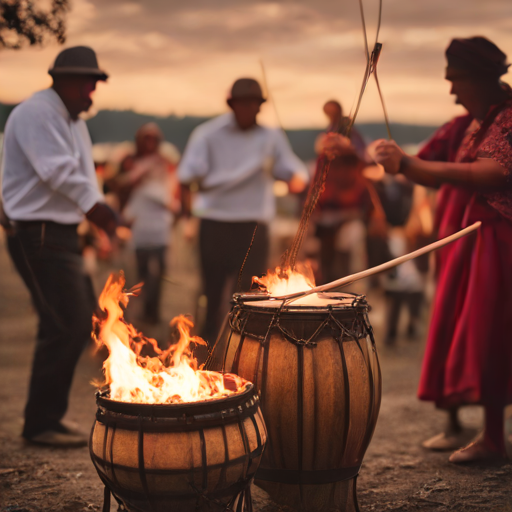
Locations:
(48, 171)
(235, 169)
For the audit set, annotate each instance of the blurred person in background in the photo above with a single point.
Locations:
(234, 161)
(405, 284)
(469, 354)
(346, 206)
(48, 186)
(338, 123)
(150, 208)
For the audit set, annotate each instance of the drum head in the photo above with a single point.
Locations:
(315, 301)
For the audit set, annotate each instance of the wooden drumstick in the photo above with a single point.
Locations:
(345, 281)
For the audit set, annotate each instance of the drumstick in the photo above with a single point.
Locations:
(344, 281)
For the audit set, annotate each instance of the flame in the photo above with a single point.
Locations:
(172, 376)
(284, 281)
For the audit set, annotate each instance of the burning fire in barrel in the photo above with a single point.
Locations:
(315, 364)
(167, 435)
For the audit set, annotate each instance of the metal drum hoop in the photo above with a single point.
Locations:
(177, 417)
(331, 317)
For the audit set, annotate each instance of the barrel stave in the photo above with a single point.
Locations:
(248, 360)
(359, 400)
(324, 414)
(334, 497)
(234, 343)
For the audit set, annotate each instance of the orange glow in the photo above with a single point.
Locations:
(284, 281)
(172, 376)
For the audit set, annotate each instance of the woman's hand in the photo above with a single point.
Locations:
(386, 153)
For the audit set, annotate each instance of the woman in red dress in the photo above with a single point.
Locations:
(468, 358)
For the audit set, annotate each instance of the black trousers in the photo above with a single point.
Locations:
(151, 268)
(223, 247)
(412, 300)
(333, 263)
(47, 256)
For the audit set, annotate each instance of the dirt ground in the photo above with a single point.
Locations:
(397, 474)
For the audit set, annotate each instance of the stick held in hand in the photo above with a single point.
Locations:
(345, 281)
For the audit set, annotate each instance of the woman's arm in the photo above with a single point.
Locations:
(484, 173)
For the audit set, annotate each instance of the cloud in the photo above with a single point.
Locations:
(174, 56)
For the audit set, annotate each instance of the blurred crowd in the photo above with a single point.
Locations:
(363, 218)
(73, 212)
(236, 196)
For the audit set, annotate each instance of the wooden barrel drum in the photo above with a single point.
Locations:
(318, 375)
(180, 457)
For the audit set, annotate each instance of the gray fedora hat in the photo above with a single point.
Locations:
(78, 60)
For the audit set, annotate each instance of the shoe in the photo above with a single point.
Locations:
(58, 439)
(69, 427)
(449, 441)
(476, 452)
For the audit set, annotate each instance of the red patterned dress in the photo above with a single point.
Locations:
(468, 359)
(451, 200)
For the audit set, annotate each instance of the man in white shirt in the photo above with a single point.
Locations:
(234, 162)
(48, 187)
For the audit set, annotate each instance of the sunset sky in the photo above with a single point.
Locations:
(175, 56)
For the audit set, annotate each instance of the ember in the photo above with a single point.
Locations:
(172, 376)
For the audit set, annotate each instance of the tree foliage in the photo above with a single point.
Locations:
(23, 21)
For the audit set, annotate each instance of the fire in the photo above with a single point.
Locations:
(172, 376)
(284, 281)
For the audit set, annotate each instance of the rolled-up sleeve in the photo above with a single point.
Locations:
(286, 163)
(194, 164)
(43, 137)
(81, 191)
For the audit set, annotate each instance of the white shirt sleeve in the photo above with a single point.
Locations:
(286, 163)
(46, 140)
(194, 163)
